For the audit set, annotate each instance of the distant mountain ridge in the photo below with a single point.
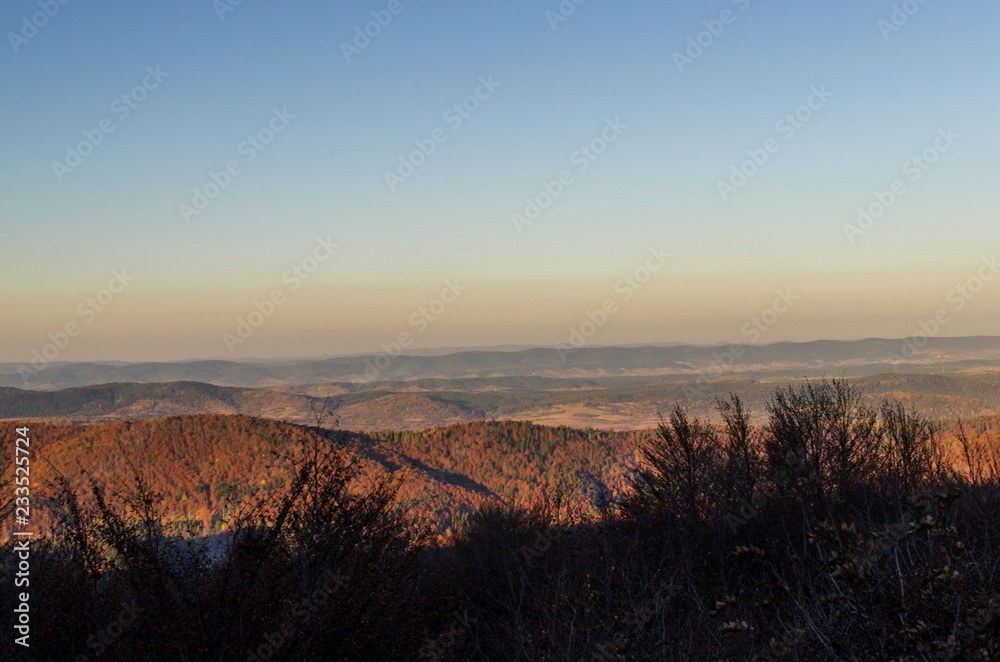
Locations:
(815, 358)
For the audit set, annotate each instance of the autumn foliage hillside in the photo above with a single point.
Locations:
(837, 531)
(202, 465)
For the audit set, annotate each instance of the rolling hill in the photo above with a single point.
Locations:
(786, 359)
(197, 463)
(614, 403)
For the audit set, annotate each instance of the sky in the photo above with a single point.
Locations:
(211, 179)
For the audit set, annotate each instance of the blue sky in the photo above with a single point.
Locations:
(347, 123)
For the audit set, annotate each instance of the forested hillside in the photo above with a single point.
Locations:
(200, 464)
(203, 464)
(839, 530)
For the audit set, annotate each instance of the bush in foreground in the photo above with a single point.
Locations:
(838, 531)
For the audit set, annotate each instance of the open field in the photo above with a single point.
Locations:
(612, 403)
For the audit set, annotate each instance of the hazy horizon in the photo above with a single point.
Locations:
(369, 186)
(451, 349)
